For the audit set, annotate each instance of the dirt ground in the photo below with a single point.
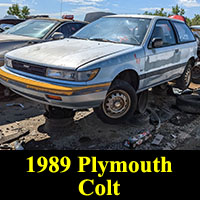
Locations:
(180, 131)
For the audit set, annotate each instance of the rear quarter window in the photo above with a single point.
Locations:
(184, 33)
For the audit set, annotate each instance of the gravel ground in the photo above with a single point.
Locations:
(180, 131)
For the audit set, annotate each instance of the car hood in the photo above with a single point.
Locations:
(67, 53)
(11, 37)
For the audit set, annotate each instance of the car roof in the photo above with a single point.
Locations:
(58, 20)
(143, 16)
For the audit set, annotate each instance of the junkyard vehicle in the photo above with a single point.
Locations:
(106, 65)
(35, 31)
(196, 32)
(196, 70)
(93, 16)
(9, 22)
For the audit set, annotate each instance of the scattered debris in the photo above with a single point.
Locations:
(137, 140)
(13, 137)
(181, 119)
(5, 147)
(157, 140)
(155, 120)
(15, 104)
(18, 146)
(84, 140)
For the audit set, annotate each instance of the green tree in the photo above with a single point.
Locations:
(157, 13)
(160, 12)
(21, 13)
(196, 20)
(177, 10)
(188, 21)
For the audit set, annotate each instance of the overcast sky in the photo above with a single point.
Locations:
(80, 7)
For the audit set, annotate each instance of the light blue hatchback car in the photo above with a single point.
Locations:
(106, 65)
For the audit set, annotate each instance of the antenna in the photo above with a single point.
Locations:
(61, 8)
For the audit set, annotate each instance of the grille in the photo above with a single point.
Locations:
(29, 68)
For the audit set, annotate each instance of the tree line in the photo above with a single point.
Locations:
(176, 10)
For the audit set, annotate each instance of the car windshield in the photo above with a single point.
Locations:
(32, 28)
(125, 30)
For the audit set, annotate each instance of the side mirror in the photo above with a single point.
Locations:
(157, 42)
(57, 36)
(6, 28)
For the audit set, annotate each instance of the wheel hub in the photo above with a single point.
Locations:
(117, 104)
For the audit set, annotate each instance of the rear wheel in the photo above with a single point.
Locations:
(184, 81)
(119, 104)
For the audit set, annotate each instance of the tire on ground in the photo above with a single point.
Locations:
(189, 103)
(58, 113)
(142, 101)
(119, 104)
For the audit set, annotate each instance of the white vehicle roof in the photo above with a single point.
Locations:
(142, 16)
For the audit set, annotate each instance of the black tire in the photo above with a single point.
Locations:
(58, 113)
(196, 80)
(184, 81)
(189, 103)
(121, 96)
(142, 101)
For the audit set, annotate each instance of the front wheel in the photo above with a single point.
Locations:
(119, 105)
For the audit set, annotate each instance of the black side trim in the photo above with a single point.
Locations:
(161, 71)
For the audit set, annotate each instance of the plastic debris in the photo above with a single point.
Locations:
(15, 104)
(157, 140)
(18, 146)
(137, 140)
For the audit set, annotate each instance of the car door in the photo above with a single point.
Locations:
(161, 63)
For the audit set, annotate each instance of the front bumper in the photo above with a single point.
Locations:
(85, 96)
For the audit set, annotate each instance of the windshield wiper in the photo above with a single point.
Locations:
(74, 37)
(102, 40)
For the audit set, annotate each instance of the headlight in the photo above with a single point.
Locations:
(72, 75)
(8, 62)
(61, 74)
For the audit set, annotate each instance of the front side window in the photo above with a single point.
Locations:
(184, 33)
(69, 29)
(125, 30)
(32, 28)
(164, 31)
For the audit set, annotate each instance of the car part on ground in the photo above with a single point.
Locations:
(189, 103)
(58, 113)
(142, 101)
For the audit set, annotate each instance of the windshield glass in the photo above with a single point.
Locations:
(32, 28)
(125, 30)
